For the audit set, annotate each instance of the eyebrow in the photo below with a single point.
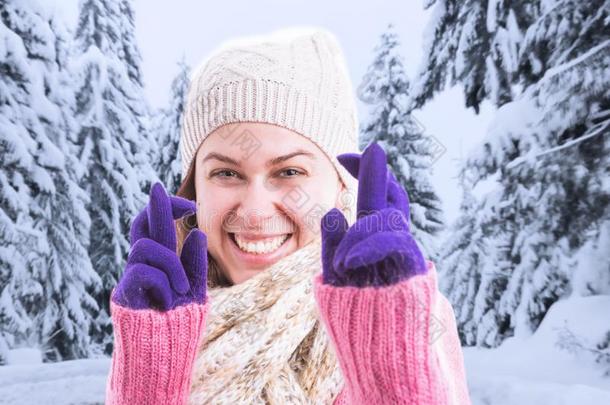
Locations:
(271, 162)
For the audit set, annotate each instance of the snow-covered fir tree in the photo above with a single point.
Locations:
(147, 153)
(17, 169)
(45, 271)
(167, 127)
(113, 147)
(476, 44)
(547, 150)
(460, 258)
(386, 87)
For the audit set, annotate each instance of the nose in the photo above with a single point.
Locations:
(259, 207)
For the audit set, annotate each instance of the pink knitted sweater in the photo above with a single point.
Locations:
(395, 345)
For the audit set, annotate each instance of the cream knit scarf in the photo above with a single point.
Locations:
(264, 342)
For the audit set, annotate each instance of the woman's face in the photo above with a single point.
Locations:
(261, 192)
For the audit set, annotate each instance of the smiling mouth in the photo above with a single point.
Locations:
(260, 246)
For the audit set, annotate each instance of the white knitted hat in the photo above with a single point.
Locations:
(296, 78)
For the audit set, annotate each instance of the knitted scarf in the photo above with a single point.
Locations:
(264, 342)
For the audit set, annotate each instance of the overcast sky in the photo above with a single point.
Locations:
(166, 31)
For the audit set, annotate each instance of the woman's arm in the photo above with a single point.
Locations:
(158, 307)
(153, 354)
(394, 333)
(396, 344)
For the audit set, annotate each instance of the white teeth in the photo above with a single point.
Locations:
(266, 246)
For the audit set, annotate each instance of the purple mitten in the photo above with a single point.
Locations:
(154, 276)
(378, 249)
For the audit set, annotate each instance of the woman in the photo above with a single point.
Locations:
(291, 276)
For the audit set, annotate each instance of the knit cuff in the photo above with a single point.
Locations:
(384, 337)
(153, 354)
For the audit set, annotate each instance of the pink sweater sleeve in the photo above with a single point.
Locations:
(396, 344)
(153, 354)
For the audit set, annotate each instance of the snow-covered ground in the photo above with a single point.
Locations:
(535, 370)
(531, 371)
(67, 382)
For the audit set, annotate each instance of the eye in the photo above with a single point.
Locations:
(219, 173)
(295, 172)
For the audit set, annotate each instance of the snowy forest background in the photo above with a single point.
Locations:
(526, 262)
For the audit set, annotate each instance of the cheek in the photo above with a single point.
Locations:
(211, 208)
(314, 199)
